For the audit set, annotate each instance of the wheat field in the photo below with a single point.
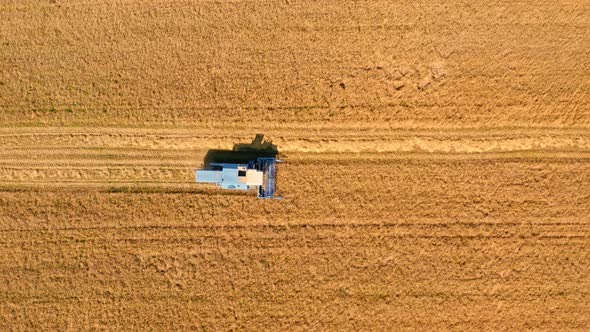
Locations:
(436, 174)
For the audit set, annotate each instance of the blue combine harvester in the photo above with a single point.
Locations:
(259, 174)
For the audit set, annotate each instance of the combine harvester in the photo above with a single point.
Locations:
(259, 174)
(235, 170)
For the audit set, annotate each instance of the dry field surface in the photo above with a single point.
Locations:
(437, 170)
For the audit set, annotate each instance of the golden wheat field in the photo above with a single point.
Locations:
(436, 174)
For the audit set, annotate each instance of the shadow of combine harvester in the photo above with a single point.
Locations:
(241, 153)
(246, 166)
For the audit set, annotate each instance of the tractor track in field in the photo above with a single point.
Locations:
(166, 158)
(342, 140)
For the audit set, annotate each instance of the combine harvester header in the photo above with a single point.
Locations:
(259, 174)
